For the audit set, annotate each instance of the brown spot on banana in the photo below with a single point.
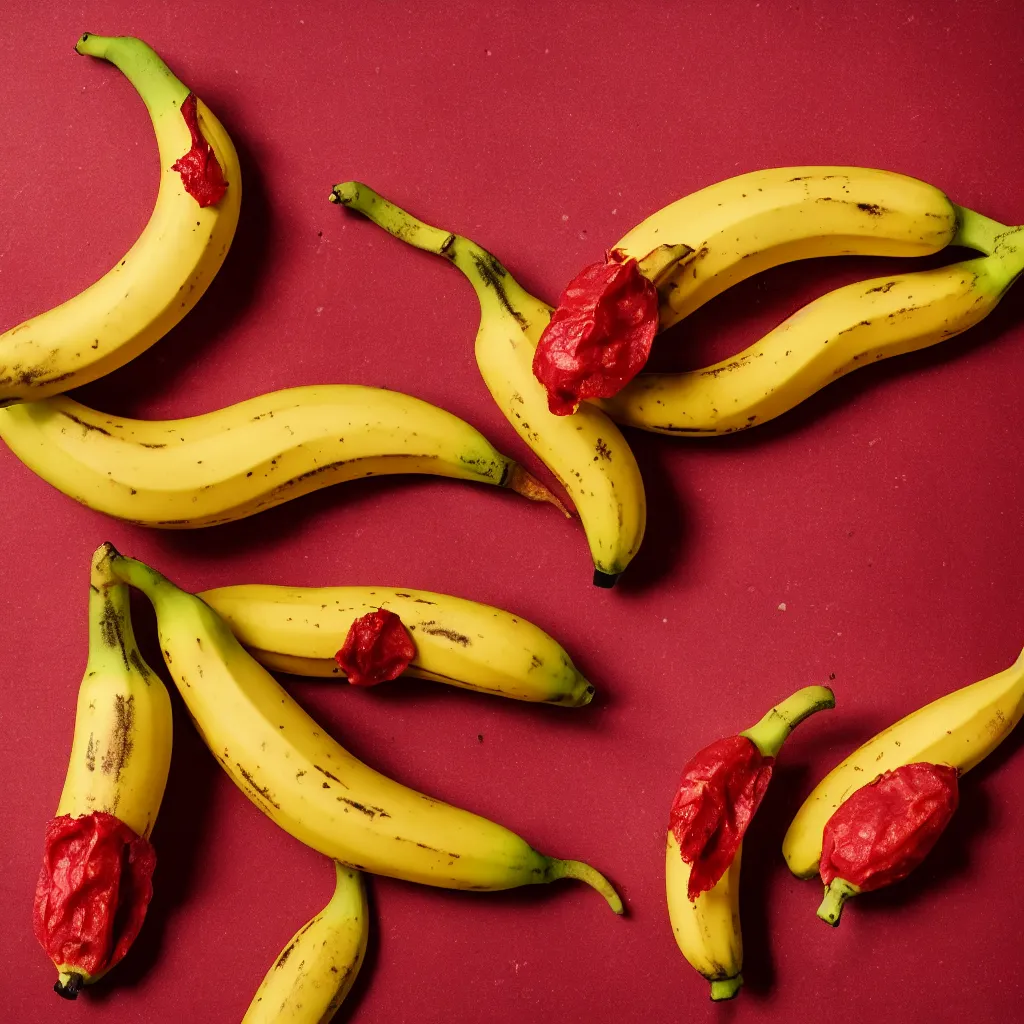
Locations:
(120, 746)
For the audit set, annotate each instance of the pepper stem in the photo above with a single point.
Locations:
(837, 892)
(770, 733)
(584, 873)
(726, 988)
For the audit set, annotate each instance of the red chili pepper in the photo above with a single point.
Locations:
(200, 172)
(886, 828)
(721, 788)
(378, 648)
(599, 336)
(92, 894)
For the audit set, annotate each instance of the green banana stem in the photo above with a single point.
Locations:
(140, 576)
(837, 892)
(770, 733)
(152, 78)
(725, 988)
(493, 284)
(584, 873)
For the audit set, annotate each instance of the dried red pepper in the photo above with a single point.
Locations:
(599, 336)
(720, 789)
(378, 648)
(883, 831)
(200, 172)
(91, 898)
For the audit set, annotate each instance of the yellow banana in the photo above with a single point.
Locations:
(746, 224)
(956, 730)
(318, 966)
(585, 451)
(707, 929)
(161, 277)
(460, 642)
(121, 751)
(310, 785)
(844, 329)
(233, 462)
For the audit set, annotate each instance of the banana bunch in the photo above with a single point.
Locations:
(707, 927)
(233, 462)
(586, 452)
(117, 771)
(958, 731)
(310, 785)
(165, 272)
(316, 969)
(459, 642)
(755, 221)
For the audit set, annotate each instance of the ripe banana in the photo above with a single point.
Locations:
(749, 223)
(121, 751)
(233, 462)
(585, 451)
(319, 965)
(311, 786)
(161, 277)
(707, 929)
(836, 333)
(460, 642)
(956, 730)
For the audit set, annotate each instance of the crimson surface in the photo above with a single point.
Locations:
(871, 537)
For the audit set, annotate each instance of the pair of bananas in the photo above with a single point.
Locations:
(956, 731)
(236, 461)
(282, 759)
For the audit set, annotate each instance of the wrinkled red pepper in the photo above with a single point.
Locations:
(720, 789)
(599, 336)
(200, 172)
(886, 828)
(92, 894)
(378, 648)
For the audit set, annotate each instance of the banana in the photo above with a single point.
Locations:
(318, 966)
(959, 730)
(585, 451)
(836, 333)
(121, 751)
(707, 930)
(460, 642)
(749, 223)
(233, 462)
(310, 785)
(161, 277)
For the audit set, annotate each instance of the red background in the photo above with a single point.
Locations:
(885, 512)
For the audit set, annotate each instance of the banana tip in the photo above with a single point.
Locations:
(605, 580)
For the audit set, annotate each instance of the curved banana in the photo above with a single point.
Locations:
(460, 642)
(585, 451)
(749, 223)
(958, 730)
(165, 272)
(310, 785)
(319, 965)
(233, 462)
(707, 930)
(836, 333)
(121, 751)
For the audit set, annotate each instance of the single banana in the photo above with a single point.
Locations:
(233, 462)
(165, 272)
(958, 730)
(312, 787)
(836, 333)
(121, 751)
(460, 642)
(317, 968)
(749, 223)
(585, 451)
(707, 930)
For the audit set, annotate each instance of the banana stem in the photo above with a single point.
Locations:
(139, 575)
(771, 732)
(151, 77)
(726, 988)
(837, 892)
(585, 873)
